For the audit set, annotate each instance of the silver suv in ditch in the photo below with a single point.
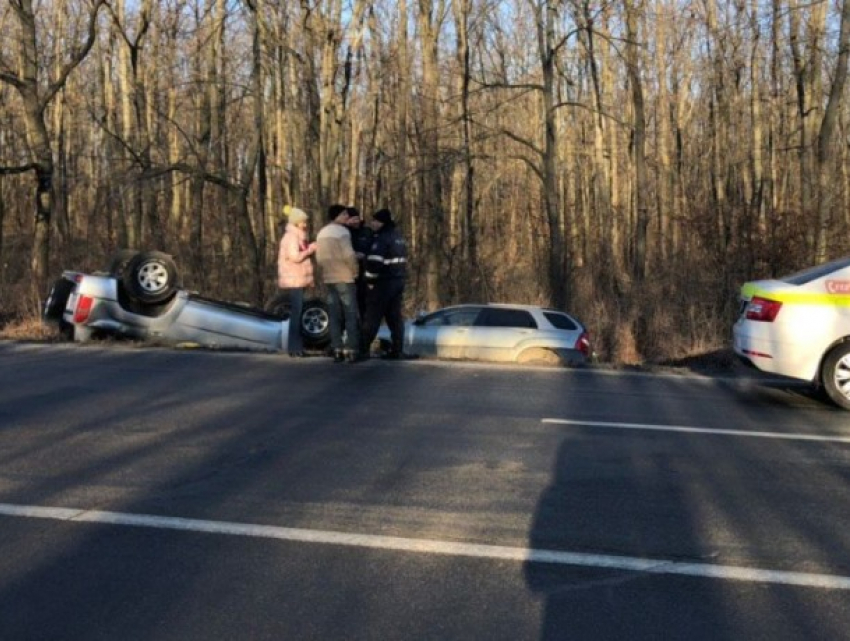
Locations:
(139, 296)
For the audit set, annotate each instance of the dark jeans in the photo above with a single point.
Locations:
(383, 302)
(341, 299)
(362, 292)
(295, 342)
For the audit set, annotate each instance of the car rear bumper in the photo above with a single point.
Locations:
(755, 345)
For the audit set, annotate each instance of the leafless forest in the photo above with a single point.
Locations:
(630, 161)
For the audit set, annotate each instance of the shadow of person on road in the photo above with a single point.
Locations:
(705, 500)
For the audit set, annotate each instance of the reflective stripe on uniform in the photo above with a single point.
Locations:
(375, 258)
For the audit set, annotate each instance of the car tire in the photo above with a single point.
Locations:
(539, 356)
(54, 308)
(315, 324)
(119, 261)
(151, 277)
(835, 375)
(279, 306)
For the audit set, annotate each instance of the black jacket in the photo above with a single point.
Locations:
(361, 239)
(387, 257)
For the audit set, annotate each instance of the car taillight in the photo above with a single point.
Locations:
(763, 309)
(83, 309)
(583, 344)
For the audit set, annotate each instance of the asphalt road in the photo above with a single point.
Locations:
(156, 494)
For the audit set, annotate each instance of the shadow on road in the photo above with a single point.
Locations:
(708, 499)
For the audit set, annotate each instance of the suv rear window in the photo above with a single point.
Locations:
(495, 317)
(561, 321)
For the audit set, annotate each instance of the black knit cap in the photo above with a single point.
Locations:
(336, 210)
(383, 216)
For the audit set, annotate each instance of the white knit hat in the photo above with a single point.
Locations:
(295, 215)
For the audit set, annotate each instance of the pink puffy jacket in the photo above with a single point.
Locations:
(294, 267)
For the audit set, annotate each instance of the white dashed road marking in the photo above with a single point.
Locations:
(699, 430)
(426, 546)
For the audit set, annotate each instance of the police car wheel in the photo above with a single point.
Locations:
(835, 375)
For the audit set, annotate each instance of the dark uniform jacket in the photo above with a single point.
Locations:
(387, 257)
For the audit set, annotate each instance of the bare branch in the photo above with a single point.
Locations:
(76, 58)
(215, 179)
(580, 105)
(505, 85)
(11, 78)
(21, 169)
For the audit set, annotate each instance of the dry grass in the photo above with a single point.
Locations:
(30, 328)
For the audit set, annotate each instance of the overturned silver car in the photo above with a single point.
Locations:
(139, 296)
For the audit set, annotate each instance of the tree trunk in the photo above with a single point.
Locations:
(464, 176)
(558, 276)
(664, 181)
(826, 137)
(639, 141)
(431, 212)
(402, 111)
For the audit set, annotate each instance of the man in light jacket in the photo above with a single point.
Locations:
(338, 267)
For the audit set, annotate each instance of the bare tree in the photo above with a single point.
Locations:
(430, 16)
(37, 89)
(638, 139)
(826, 138)
(558, 277)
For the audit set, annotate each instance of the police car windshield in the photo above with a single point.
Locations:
(813, 273)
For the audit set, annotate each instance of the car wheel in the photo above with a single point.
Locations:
(58, 299)
(151, 277)
(835, 375)
(279, 306)
(119, 261)
(315, 324)
(539, 356)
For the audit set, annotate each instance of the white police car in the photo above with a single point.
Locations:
(799, 326)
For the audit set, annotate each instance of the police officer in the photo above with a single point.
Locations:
(386, 273)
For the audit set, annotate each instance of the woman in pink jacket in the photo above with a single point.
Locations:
(295, 273)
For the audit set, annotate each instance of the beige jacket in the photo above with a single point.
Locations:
(294, 267)
(335, 255)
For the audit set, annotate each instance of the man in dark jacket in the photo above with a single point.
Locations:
(361, 240)
(386, 273)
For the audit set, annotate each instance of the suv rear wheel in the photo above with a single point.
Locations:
(151, 277)
(119, 260)
(314, 322)
(58, 299)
